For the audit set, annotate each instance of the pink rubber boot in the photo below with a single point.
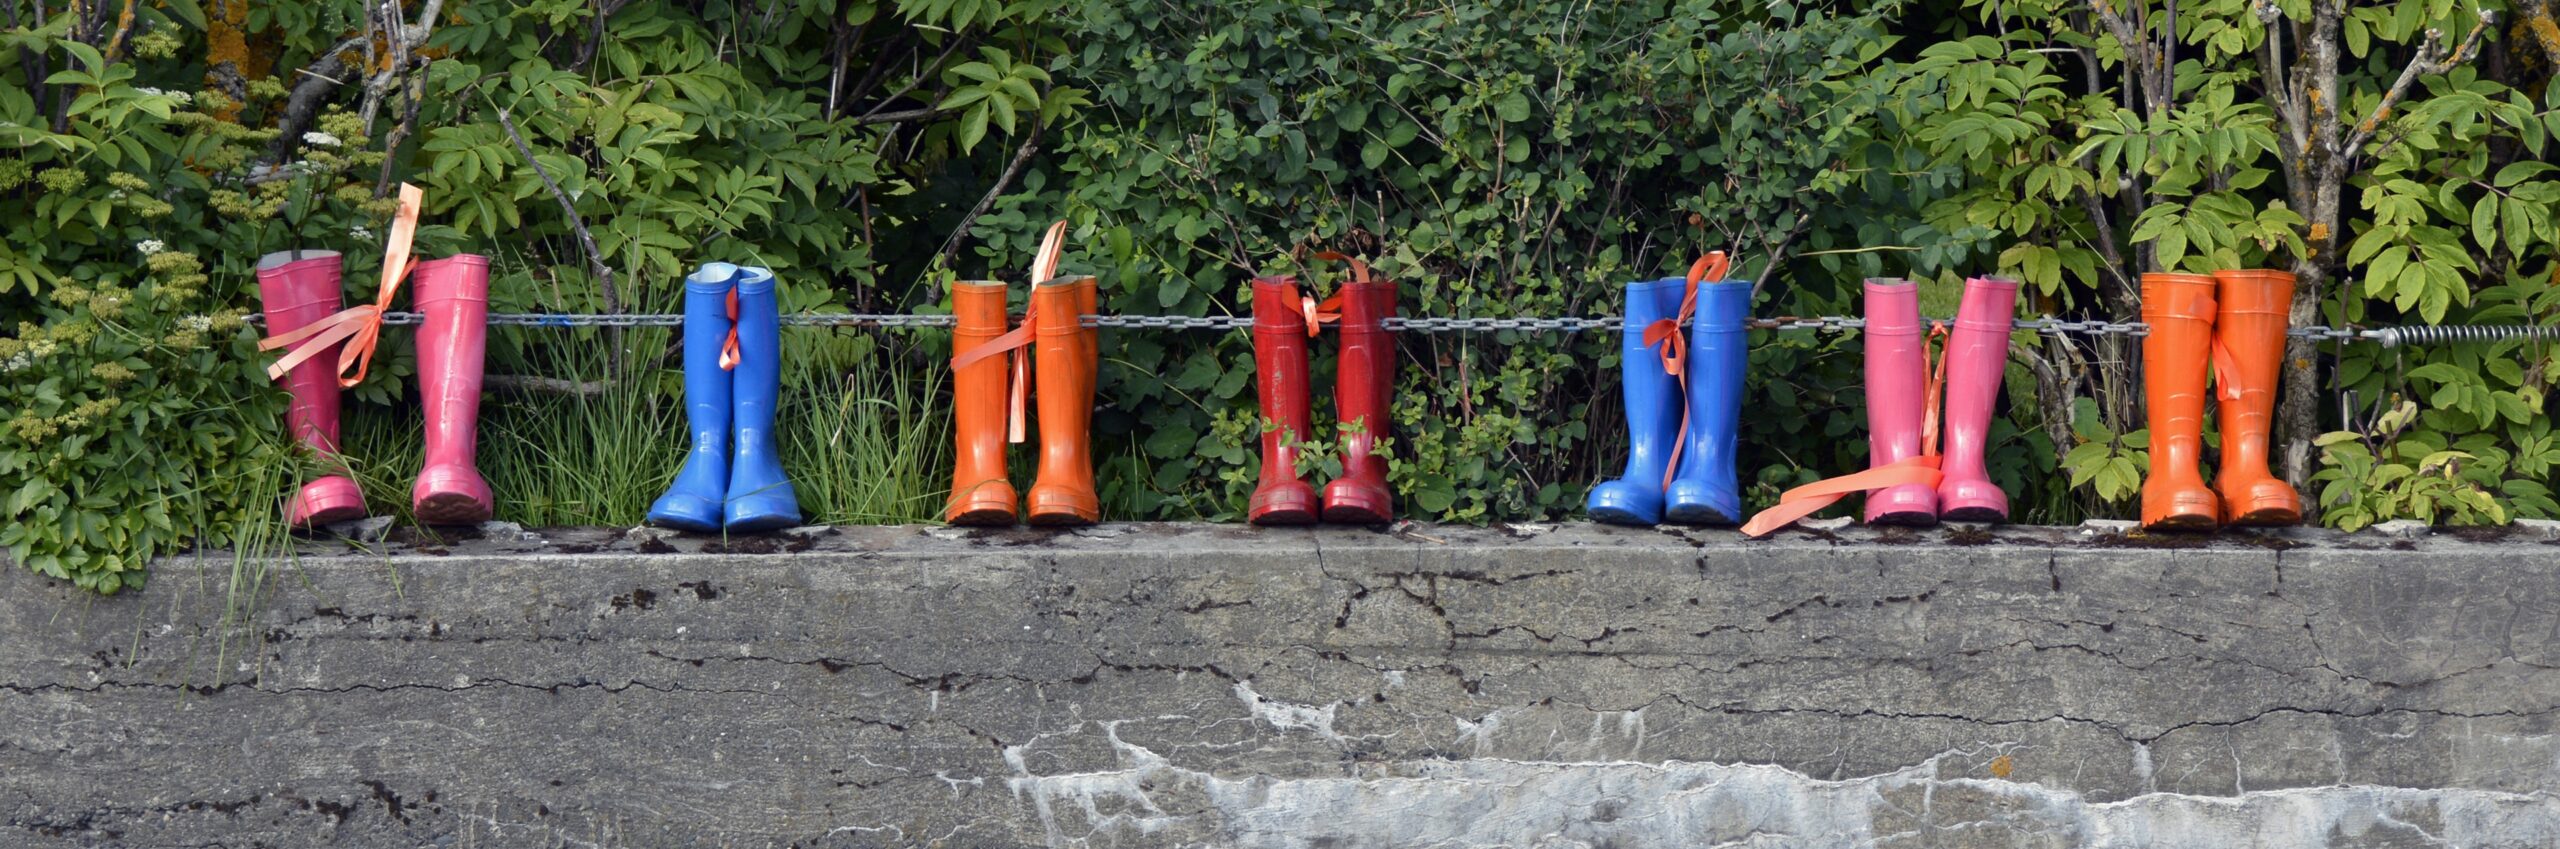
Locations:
(1897, 383)
(1977, 355)
(298, 288)
(453, 292)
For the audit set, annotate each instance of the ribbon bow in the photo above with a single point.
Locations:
(359, 326)
(1044, 265)
(1664, 334)
(1920, 469)
(1330, 310)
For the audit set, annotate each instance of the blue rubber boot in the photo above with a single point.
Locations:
(1704, 491)
(693, 502)
(760, 498)
(1652, 397)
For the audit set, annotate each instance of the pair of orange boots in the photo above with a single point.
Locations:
(2233, 321)
(990, 396)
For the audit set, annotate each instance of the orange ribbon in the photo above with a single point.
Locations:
(1810, 498)
(1665, 334)
(1330, 310)
(360, 327)
(729, 350)
(1044, 266)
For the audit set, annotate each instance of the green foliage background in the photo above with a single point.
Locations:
(1512, 158)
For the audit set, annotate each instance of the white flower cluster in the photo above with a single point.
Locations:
(360, 233)
(196, 323)
(315, 137)
(150, 246)
(183, 98)
(17, 363)
(42, 347)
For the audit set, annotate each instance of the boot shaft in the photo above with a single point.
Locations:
(1364, 378)
(1896, 370)
(453, 293)
(2179, 310)
(1280, 371)
(296, 288)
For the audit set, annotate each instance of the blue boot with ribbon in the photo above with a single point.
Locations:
(693, 502)
(760, 498)
(1704, 490)
(1652, 397)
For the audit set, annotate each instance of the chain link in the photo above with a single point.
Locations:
(2387, 336)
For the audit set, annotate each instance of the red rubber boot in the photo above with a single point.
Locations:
(1364, 394)
(1280, 374)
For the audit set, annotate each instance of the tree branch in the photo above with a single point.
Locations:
(2279, 86)
(2431, 59)
(586, 240)
(901, 117)
(2138, 55)
(1021, 155)
(318, 79)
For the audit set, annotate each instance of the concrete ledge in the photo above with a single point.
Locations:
(1557, 686)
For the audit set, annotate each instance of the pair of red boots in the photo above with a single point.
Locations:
(1364, 381)
(301, 294)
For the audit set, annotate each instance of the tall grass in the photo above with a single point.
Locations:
(862, 418)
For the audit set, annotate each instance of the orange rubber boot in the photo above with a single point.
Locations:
(2250, 332)
(981, 494)
(1065, 358)
(2179, 309)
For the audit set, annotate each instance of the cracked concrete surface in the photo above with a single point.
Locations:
(1140, 686)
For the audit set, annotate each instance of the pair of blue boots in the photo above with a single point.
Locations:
(1703, 489)
(732, 481)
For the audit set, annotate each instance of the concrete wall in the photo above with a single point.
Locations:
(1193, 685)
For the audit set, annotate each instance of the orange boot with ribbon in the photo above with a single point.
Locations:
(981, 491)
(2179, 309)
(2249, 340)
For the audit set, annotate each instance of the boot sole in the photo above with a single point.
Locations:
(1975, 514)
(451, 508)
(2268, 517)
(983, 517)
(2183, 522)
(1905, 519)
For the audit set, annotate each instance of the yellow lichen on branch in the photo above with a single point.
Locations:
(226, 53)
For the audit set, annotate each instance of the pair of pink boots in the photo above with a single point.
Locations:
(1908, 481)
(1901, 412)
(300, 288)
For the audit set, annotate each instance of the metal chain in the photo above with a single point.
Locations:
(2387, 336)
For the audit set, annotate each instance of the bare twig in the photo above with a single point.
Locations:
(403, 39)
(595, 32)
(2138, 56)
(549, 385)
(1021, 156)
(2432, 59)
(902, 116)
(595, 256)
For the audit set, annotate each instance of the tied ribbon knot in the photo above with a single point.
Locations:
(1329, 311)
(1920, 469)
(1665, 336)
(729, 349)
(360, 326)
(1044, 266)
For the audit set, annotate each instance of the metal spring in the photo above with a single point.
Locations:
(2393, 337)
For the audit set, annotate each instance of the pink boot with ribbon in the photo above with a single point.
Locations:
(298, 289)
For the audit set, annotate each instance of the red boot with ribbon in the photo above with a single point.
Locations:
(1280, 332)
